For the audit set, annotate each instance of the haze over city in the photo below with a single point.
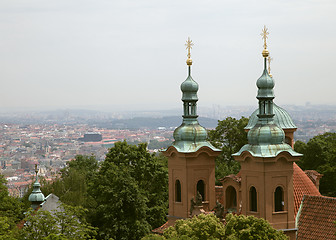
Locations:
(131, 54)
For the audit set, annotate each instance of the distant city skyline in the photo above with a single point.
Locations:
(131, 54)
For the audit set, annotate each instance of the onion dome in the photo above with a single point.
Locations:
(190, 131)
(281, 118)
(266, 138)
(265, 85)
(190, 135)
(189, 89)
(36, 197)
(266, 134)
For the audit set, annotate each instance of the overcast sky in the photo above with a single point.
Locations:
(131, 54)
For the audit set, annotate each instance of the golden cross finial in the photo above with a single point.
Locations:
(189, 45)
(264, 36)
(269, 60)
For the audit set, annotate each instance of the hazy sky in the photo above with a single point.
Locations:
(131, 54)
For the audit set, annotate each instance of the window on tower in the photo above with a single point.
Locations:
(279, 199)
(253, 199)
(177, 191)
(200, 189)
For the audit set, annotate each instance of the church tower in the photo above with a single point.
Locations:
(191, 158)
(267, 162)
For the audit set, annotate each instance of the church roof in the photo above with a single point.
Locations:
(281, 118)
(317, 218)
(302, 186)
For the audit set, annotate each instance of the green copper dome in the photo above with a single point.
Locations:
(265, 138)
(281, 118)
(265, 86)
(36, 197)
(190, 135)
(190, 131)
(266, 134)
(189, 89)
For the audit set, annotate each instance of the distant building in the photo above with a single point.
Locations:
(91, 137)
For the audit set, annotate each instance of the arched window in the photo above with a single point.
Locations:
(177, 191)
(279, 199)
(253, 199)
(200, 189)
(231, 199)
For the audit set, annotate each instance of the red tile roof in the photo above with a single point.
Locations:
(317, 218)
(302, 186)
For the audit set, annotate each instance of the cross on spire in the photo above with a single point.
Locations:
(189, 45)
(264, 34)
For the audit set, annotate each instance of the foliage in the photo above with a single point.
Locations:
(130, 191)
(210, 227)
(229, 136)
(320, 154)
(153, 237)
(200, 227)
(11, 209)
(6, 228)
(249, 227)
(68, 223)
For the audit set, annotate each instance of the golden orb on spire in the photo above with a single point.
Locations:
(264, 35)
(189, 45)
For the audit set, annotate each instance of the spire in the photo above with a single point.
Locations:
(36, 197)
(265, 84)
(189, 45)
(264, 35)
(265, 139)
(190, 136)
(189, 89)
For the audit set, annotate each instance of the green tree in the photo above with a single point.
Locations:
(11, 208)
(229, 136)
(320, 154)
(130, 191)
(249, 228)
(200, 227)
(69, 223)
(6, 228)
(210, 227)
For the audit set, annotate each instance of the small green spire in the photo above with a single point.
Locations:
(190, 136)
(36, 197)
(266, 139)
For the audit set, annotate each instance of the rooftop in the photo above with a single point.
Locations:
(317, 218)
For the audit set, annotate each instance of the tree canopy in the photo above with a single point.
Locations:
(320, 154)
(67, 223)
(11, 210)
(210, 227)
(229, 136)
(130, 191)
